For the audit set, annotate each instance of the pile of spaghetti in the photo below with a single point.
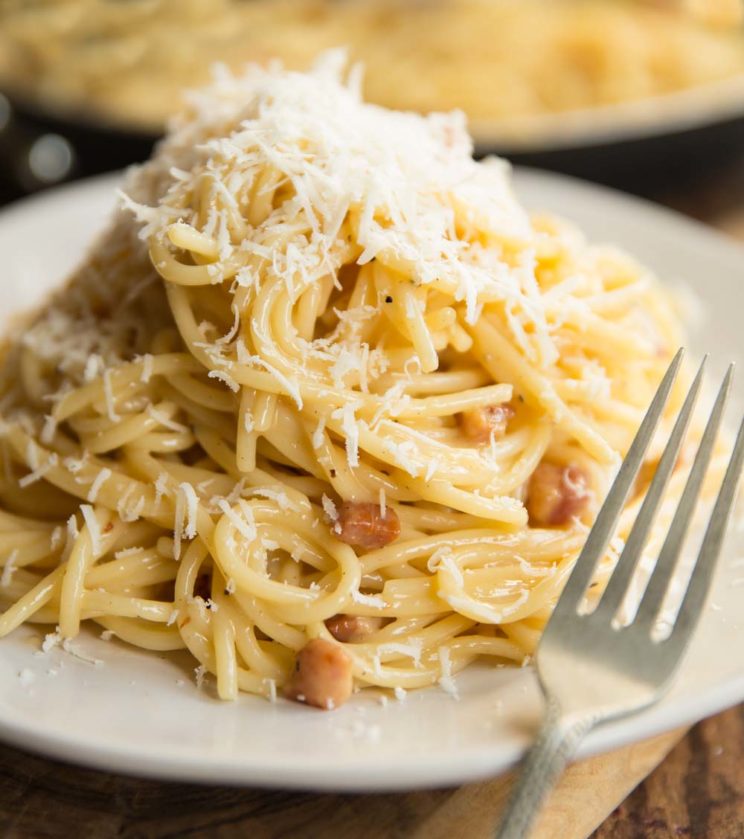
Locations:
(324, 405)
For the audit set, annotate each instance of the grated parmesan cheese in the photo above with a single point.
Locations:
(161, 487)
(146, 373)
(329, 508)
(271, 684)
(130, 514)
(187, 506)
(226, 378)
(99, 481)
(165, 421)
(51, 640)
(317, 438)
(351, 432)
(72, 535)
(245, 526)
(49, 429)
(92, 366)
(192, 505)
(126, 552)
(94, 528)
(75, 465)
(39, 472)
(57, 535)
(281, 497)
(412, 649)
(9, 569)
(108, 395)
(374, 600)
(290, 387)
(446, 682)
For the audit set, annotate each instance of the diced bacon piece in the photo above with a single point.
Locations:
(556, 494)
(479, 424)
(322, 675)
(352, 628)
(363, 525)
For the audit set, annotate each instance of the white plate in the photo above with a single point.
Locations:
(141, 713)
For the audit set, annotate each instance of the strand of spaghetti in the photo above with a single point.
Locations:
(24, 608)
(142, 568)
(224, 652)
(148, 636)
(539, 545)
(92, 543)
(445, 405)
(76, 483)
(452, 590)
(255, 656)
(123, 375)
(130, 429)
(504, 363)
(314, 605)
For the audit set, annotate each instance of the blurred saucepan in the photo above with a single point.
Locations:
(639, 146)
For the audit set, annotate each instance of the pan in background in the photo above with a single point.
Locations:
(640, 146)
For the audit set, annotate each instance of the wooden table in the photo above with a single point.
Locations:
(697, 791)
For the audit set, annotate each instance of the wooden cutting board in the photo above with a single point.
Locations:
(588, 792)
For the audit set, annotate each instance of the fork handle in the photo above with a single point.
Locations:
(554, 747)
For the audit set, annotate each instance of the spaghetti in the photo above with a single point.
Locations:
(324, 406)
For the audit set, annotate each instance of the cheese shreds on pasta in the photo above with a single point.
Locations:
(348, 401)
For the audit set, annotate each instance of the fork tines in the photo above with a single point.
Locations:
(601, 534)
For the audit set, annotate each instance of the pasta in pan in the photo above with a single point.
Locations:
(324, 406)
(506, 63)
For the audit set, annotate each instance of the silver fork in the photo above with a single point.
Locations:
(592, 670)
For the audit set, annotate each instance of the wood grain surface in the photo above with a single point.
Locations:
(696, 792)
(41, 798)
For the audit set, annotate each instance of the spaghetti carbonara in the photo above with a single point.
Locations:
(324, 406)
